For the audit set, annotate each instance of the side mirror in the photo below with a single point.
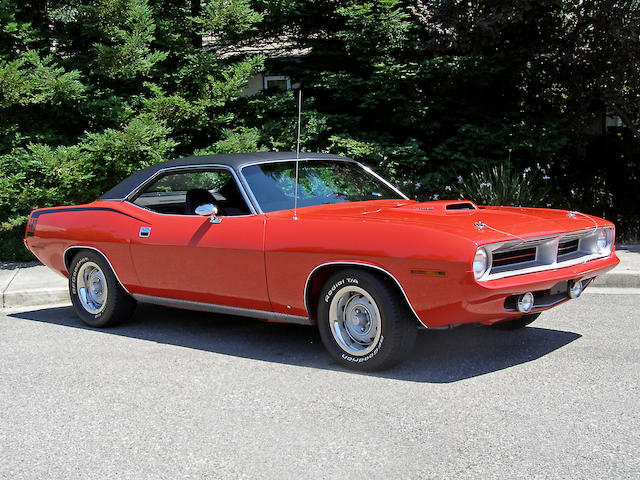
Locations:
(208, 210)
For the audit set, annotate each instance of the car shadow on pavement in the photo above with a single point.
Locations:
(440, 356)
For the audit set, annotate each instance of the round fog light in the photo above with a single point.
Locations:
(575, 289)
(525, 302)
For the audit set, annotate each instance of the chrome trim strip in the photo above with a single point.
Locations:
(306, 284)
(223, 309)
(383, 180)
(349, 160)
(148, 210)
(248, 188)
(82, 247)
(240, 185)
(302, 159)
(551, 301)
(514, 244)
(542, 268)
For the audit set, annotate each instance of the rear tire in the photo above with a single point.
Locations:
(516, 323)
(96, 294)
(363, 322)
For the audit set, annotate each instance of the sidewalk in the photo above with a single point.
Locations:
(32, 284)
(627, 273)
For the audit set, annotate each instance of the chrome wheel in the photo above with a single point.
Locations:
(354, 320)
(91, 286)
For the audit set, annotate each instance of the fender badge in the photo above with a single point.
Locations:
(479, 225)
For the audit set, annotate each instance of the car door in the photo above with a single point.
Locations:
(185, 256)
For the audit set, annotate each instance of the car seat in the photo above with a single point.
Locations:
(196, 197)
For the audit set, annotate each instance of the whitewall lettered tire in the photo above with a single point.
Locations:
(364, 323)
(97, 296)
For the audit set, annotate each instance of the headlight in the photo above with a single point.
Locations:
(604, 241)
(480, 262)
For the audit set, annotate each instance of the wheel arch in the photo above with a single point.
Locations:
(72, 251)
(320, 274)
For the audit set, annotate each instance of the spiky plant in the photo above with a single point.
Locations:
(504, 185)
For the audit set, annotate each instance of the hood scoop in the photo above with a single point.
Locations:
(461, 206)
(445, 206)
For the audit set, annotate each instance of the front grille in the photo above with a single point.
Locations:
(569, 246)
(518, 257)
(501, 259)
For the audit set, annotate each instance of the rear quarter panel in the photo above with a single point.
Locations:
(105, 226)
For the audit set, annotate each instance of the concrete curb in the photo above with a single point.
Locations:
(615, 279)
(31, 285)
(36, 297)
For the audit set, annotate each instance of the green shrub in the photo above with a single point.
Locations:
(43, 176)
(38, 176)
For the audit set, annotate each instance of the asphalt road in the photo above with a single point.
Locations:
(177, 394)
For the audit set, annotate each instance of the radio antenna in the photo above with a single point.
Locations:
(295, 196)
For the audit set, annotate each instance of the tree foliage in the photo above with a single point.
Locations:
(434, 90)
(91, 91)
(427, 90)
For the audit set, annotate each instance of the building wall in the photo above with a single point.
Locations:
(255, 85)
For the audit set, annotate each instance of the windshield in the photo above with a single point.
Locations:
(320, 182)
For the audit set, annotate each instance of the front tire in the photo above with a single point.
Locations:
(363, 322)
(96, 294)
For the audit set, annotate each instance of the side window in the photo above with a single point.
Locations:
(181, 192)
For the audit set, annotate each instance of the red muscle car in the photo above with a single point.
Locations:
(356, 257)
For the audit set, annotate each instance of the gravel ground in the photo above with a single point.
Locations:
(177, 394)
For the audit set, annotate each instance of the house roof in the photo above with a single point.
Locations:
(284, 46)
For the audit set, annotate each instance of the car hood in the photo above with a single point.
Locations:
(461, 218)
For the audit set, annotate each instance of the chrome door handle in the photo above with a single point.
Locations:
(144, 232)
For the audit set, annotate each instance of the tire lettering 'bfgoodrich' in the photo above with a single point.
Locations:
(349, 358)
(74, 278)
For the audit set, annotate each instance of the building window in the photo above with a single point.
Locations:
(277, 82)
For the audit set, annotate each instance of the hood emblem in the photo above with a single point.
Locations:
(479, 225)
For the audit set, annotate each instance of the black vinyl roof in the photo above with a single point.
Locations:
(233, 160)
